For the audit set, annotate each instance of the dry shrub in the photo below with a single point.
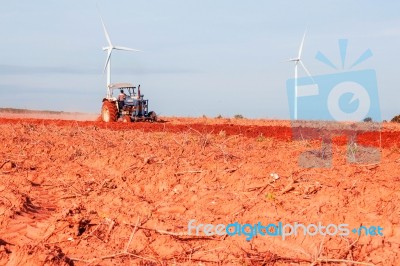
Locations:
(396, 119)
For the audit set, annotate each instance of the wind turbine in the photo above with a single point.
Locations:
(297, 60)
(109, 50)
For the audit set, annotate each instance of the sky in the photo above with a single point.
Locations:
(198, 57)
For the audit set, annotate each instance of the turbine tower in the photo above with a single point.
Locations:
(109, 50)
(298, 61)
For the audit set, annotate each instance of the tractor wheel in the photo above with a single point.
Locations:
(153, 116)
(126, 119)
(109, 112)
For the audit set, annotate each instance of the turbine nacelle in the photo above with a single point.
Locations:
(293, 60)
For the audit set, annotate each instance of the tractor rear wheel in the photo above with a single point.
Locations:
(126, 119)
(109, 112)
(153, 116)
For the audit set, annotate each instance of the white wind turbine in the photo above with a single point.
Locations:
(109, 49)
(297, 61)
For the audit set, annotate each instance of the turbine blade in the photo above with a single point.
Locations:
(126, 49)
(308, 72)
(108, 59)
(105, 31)
(302, 44)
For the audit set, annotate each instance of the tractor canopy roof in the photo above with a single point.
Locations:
(120, 86)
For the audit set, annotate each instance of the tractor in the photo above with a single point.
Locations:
(128, 106)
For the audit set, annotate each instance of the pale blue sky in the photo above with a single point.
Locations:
(199, 57)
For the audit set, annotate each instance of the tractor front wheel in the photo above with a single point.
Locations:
(109, 112)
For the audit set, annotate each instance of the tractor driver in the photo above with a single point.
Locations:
(121, 99)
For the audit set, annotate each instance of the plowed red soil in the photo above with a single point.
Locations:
(86, 192)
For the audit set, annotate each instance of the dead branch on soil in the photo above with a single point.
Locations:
(289, 186)
(231, 137)
(342, 261)
(116, 255)
(370, 166)
(148, 159)
(226, 154)
(1, 166)
(110, 227)
(321, 174)
(200, 178)
(131, 237)
(180, 235)
(183, 148)
(108, 222)
(327, 260)
(262, 187)
(234, 169)
(343, 254)
(346, 252)
(231, 170)
(122, 253)
(134, 166)
(268, 257)
(91, 233)
(189, 172)
(204, 138)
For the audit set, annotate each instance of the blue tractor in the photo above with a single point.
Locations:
(128, 106)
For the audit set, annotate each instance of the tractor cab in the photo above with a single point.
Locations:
(114, 91)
